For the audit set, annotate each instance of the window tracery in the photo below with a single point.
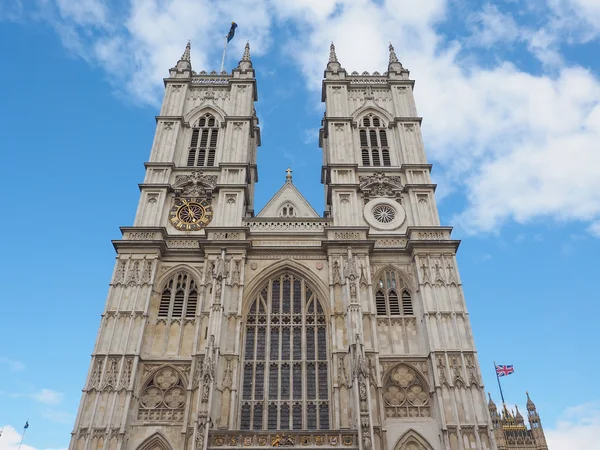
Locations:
(285, 379)
(374, 145)
(406, 393)
(163, 397)
(203, 145)
(392, 297)
(179, 297)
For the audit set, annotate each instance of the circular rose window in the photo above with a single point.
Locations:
(384, 214)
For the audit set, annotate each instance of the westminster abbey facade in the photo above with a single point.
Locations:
(225, 328)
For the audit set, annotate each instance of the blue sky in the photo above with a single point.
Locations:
(510, 97)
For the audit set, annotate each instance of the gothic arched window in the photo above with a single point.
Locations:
(288, 210)
(392, 297)
(285, 381)
(179, 297)
(374, 146)
(203, 145)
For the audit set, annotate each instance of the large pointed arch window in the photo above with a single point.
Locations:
(392, 297)
(203, 146)
(374, 146)
(285, 381)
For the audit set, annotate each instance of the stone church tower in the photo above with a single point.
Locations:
(224, 328)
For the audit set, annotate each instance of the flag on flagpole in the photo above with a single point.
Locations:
(26, 425)
(231, 31)
(504, 370)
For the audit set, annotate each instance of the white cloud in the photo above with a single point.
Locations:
(11, 438)
(490, 26)
(578, 427)
(83, 12)
(48, 396)
(12, 364)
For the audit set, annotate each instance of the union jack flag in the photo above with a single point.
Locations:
(502, 371)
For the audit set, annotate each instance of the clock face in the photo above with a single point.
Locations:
(190, 214)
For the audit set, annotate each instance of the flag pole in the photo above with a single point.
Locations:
(499, 385)
(23, 435)
(224, 50)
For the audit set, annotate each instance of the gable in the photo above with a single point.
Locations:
(286, 197)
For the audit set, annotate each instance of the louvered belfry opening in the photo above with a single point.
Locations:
(179, 297)
(374, 146)
(392, 297)
(285, 380)
(203, 145)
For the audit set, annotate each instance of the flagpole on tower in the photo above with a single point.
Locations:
(24, 431)
(223, 59)
(499, 385)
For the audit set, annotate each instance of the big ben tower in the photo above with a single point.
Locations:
(225, 329)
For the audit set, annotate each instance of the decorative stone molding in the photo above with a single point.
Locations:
(324, 438)
(142, 235)
(347, 235)
(212, 80)
(387, 243)
(183, 243)
(295, 227)
(225, 236)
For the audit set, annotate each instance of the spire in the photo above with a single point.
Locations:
(288, 177)
(184, 64)
(332, 55)
(186, 53)
(393, 57)
(530, 404)
(518, 417)
(246, 56)
(491, 404)
(333, 65)
(245, 63)
(394, 65)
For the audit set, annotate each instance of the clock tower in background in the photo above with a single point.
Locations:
(224, 328)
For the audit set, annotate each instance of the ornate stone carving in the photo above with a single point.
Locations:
(342, 375)
(120, 273)
(109, 381)
(381, 185)
(208, 369)
(219, 269)
(222, 236)
(133, 274)
(235, 274)
(350, 266)
(195, 185)
(336, 273)
(126, 374)
(456, 366)
(147, 272)
(96, 373)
